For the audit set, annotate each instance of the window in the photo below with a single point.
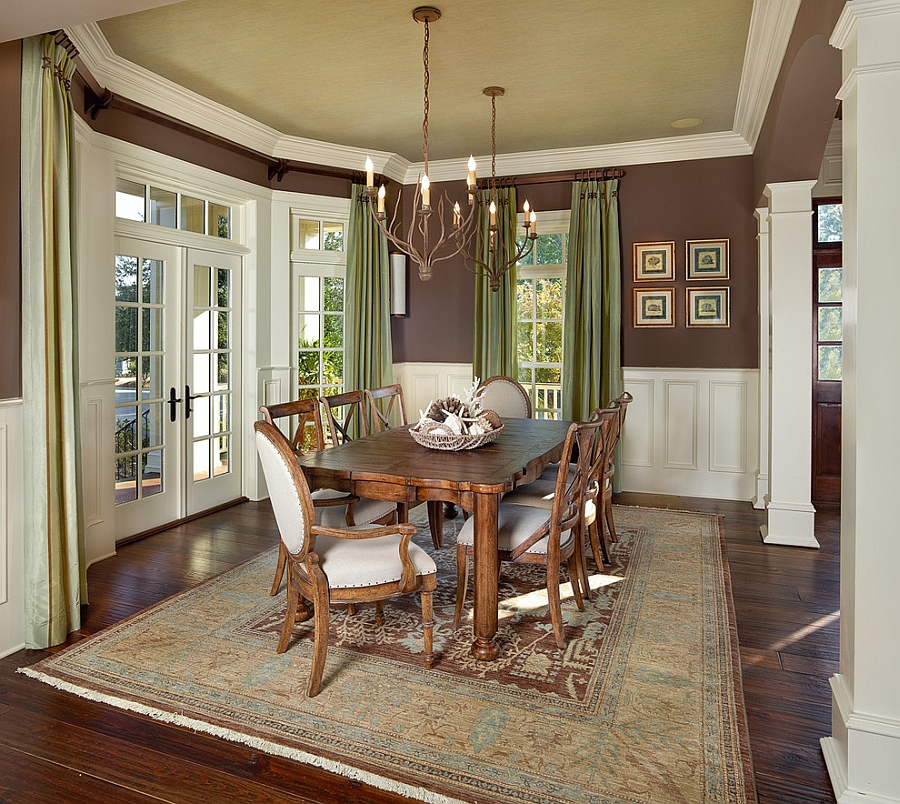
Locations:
(828, 289)
(829, 222)
(146, 203)
(319, 266)
(540, 292)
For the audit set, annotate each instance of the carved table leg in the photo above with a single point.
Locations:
(485, 647)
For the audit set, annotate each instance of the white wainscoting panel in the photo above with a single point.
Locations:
(12, 529)
(98, 470)
(681, 423)
(691, 432)
(424, 382)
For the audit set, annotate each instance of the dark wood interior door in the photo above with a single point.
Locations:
(827, 360)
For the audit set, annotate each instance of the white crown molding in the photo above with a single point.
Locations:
(846, 24)
(771, 23)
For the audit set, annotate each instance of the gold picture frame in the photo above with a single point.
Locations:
(707, 259)
(654, 307)
(708, 307)
(654, 261)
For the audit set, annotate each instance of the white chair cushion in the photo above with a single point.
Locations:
(515, 524)
(349, 563)
(365, 511)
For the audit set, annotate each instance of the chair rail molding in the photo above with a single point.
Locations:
(691, 432)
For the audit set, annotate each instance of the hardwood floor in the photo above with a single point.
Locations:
(56, 747)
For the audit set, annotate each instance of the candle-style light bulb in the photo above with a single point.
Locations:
(493, 210)
(381, 195)
(426, 191)
(525, 216)
(456, 215)
(471, 180)
(370, 173)
(533, 222)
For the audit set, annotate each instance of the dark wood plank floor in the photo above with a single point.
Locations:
(55, 747)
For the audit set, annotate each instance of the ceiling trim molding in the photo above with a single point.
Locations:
(139, 85)
(771, 24)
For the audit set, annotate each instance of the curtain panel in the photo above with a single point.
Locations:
(55, 585)
(495, 311)
(592, 330)
(368, 358)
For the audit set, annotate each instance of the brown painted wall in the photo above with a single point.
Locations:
(677, 201)
(10, 240)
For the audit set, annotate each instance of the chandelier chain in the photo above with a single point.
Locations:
(493, 138)
(427, 80)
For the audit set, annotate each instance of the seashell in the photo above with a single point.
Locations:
(476, 429)
(492, 417)
(453, 423)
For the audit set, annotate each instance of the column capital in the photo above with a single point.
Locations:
(789, 196)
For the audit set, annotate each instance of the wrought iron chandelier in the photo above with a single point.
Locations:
(428, 238)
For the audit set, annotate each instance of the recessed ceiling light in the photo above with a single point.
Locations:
(686, 122)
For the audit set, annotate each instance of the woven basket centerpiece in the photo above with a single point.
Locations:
(456, 423)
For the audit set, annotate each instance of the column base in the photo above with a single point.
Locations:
(762, 492)
(791, 524)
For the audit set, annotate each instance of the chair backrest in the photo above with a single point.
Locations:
(346, 415)
(308, 434)
(581, 449)
(288, 490)
(507, 397)
(380, 417)
(608, 420)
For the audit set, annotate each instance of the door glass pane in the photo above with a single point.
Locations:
(222, 330)
(191, 214)
(151, 425)
(309, 234)
(203, 362)
(126, 329)
(223, 287)
(126, 278)
(830, 358)
(126, 379)
(332, 367)
(334, 296)
(222, 407)
(219, 223)
(162, 207)
(151, 377)
(151, 323)
(830, 324)
(151, 474)
(201, 459)
(126, 479)
(222, 375)
(334, 330)
(126, 429)
(220, 459)
(309, 330)
(129, 200)
(830, 285)
(202, 287)
(152, 281)
(200, 416)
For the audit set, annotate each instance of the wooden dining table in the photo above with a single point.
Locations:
(391, 466)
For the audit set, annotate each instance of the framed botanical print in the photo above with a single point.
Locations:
(654, 261)
(708, 307)
(707, 259)
(654, 308)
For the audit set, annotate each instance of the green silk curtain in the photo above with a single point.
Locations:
(495, 311)
(368, 360)
(592, 330)
(55, 585)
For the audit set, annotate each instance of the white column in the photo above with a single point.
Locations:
(863, 753)
(762, 474)
(790, 514)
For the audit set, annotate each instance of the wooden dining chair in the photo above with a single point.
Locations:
(328, 565)
(541, 492)
(620, 403)
(346, 416)
(332, 507)
(507, 397)
(386, 408)
(528, 535)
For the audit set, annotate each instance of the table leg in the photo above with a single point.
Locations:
(436, 522)
(485, 647)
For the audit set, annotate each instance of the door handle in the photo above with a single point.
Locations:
(172, 403)
(187, 401)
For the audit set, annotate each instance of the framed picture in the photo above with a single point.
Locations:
(654, 261)
(708, 307)
(654, 308)
(707, 259)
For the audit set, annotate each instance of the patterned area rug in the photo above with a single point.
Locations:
(644, 705)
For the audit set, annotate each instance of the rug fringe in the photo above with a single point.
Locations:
(372, 779)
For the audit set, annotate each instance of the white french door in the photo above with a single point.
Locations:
(177, 395)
